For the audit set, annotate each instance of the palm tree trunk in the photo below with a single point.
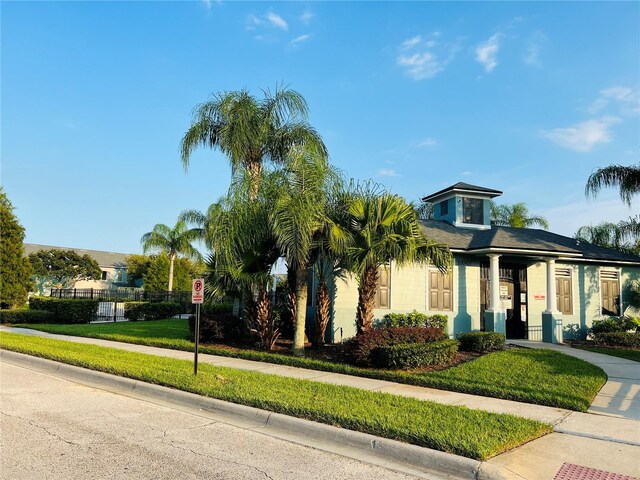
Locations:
(172, 257)
(366, 299)
(301, 312)
(254, 168)
(322, 313)
(291, 296)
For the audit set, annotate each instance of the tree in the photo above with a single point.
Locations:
(204, 221)
(251, 131)
(610, 235)
(156, 277)
(63, 268)
(425, 210)
(516, 215)
(626, 178)
(173, 241)
(15, 269)
(297, 218)
(137, 266)
(383, 227)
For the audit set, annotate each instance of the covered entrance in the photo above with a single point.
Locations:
(513, 297)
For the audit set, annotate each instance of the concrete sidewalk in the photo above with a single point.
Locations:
(592, 440)
(620, 396)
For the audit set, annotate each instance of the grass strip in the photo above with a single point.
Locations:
(614, 352)
(539, 376)
(459, 430)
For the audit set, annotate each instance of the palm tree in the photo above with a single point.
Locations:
(174, 241)
(516, 215)
(622, 236)
(626, 178)
(384, 228)
(250, 131)
(204, 221)
(298, 216)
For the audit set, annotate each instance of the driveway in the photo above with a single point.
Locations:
(57, 429)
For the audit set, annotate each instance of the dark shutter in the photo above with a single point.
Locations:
(610, 289)
(384, 288)
(440, 291)
(564, 293)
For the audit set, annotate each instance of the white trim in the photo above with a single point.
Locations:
(506, 251)
(458, 191)
(477, 226)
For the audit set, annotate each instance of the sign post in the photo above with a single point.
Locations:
(197, 297)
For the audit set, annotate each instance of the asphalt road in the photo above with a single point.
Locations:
(52, 428)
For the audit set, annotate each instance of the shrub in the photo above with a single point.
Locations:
(360, 347)
(613, 324)
(413, 319)
(412, 355)
(25, 316)
(618, 339)
(66, 310)
(481, 341)
(217, 326)
(217, 308)
(150, 310)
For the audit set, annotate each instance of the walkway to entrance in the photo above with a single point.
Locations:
(620, 396)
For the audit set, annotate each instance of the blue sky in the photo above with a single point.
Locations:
(527, 98)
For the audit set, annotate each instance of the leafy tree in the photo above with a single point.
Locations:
(609, 235)
(156, 276)
(63, 268)
(516, 215)
(425, 210)
(137, 266)
(251, 131)
(174, 242)
(383, 227)
(15, 269)
(627, 179)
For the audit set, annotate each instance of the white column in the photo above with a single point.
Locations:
(552, 306)
(494, 282)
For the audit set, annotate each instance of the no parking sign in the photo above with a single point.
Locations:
(197, 290)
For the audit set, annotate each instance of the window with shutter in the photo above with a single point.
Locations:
(440, 291)
(383, 297)
(564, 291)
(610, 292)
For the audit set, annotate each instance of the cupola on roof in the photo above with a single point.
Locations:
(463, 188)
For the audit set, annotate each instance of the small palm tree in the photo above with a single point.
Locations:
(622, 236)
(204, 221)
(174, 241)
(626, 178)
(250, 131)
(384, 227)
(516, 215)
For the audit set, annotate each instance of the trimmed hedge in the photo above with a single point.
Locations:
(25, 316)
(618, 339)
(613, 324)
(66, 310)
(413, 355)
(151, 310)
(360, 347)
(481, 341)
(413, 319)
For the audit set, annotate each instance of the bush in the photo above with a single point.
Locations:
(151, 310)
(481, 341)
(413, 319)
(218, 326)
(618, 339)
(66, 310)
(613, 324)
(359, 348)
(25, 316)
(413, 355)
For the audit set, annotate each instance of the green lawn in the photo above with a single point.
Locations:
(459, 430)
(536, 376)
(615, 352)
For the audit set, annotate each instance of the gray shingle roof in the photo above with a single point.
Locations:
(467, 187)
(104, 259)
(510, 238)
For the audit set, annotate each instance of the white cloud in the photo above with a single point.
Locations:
(625, 97)
(206, 4)
(427, 142)
(411, 42)
(421, 65)
(387, 172)
(277, 21)
(583, 137)
(487, 52)
(532, 55)
(306, 17)
(622, 94)
(300, 39)
(466, 173)
(253, 22)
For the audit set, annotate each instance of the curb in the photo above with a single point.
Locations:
(384, 452)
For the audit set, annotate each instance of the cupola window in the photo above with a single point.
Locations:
(473, 211)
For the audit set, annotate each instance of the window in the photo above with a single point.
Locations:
(564, 291)
(440, 290)
(104, 275)
(383, 293)
(473, 211)
(610, 292)
(444, 207)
